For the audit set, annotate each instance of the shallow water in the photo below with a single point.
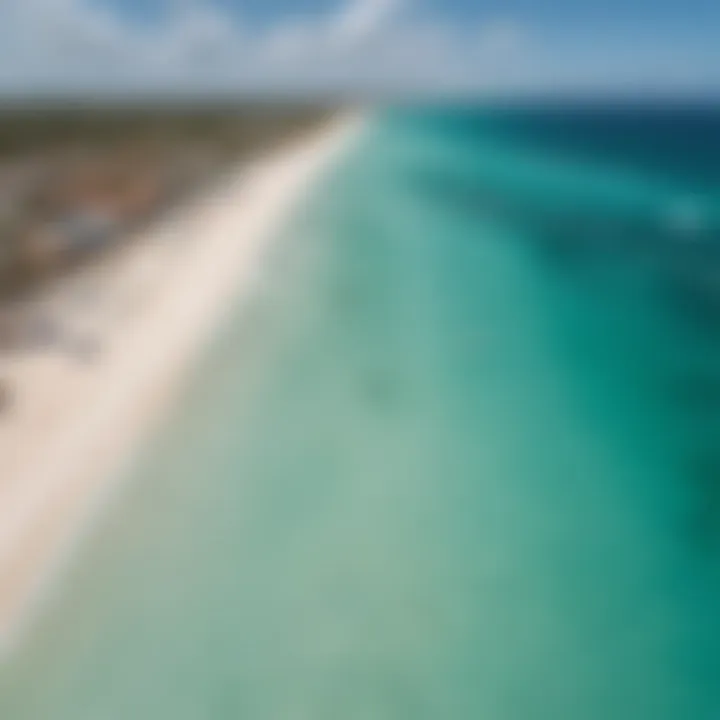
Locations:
(437, 469)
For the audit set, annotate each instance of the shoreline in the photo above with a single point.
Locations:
(89, 420)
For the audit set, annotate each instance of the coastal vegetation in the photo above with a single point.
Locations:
(74, 179)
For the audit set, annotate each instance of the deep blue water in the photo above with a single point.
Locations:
(459, 459)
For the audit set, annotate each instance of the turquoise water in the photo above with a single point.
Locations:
(440, 468)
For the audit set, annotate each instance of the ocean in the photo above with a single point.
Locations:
(459, 458)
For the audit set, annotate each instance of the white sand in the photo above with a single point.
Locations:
(74, 424)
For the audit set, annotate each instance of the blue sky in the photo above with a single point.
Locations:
(432, 46)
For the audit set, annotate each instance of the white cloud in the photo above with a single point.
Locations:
(199, 37)
(66, 44)
(293, 41)
(327, 38)
(360, 19)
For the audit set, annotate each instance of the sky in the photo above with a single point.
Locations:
(384, 46)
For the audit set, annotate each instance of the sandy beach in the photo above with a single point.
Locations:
(77, 418)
